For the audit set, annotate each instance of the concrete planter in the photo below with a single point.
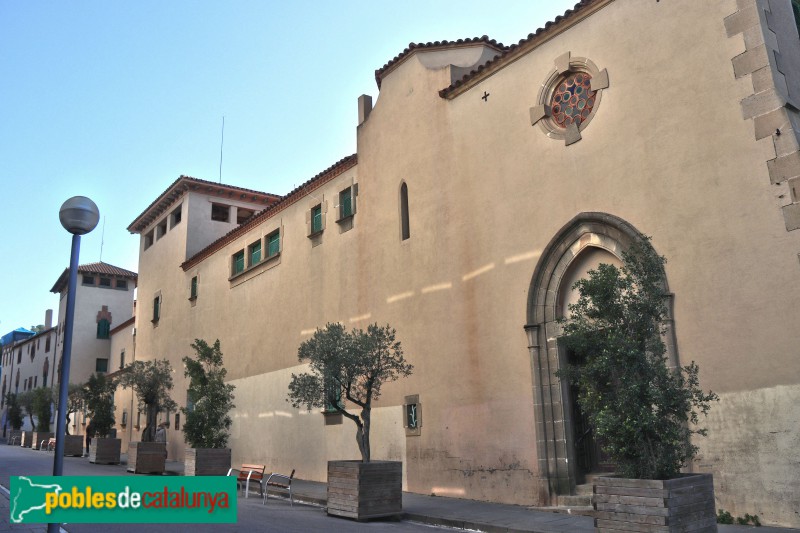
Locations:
(104, 451)
(685, 503)
(365, 490)
(207, 461)
(14, 436)
(147, 457)
(38, 437)
(26, 439)
(73, 446)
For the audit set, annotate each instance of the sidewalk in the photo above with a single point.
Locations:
(433, 510)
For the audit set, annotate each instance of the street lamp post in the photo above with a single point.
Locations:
(79, 215)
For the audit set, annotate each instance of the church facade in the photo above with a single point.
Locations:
(487, 179)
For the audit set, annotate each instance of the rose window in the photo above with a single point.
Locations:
(573, 100)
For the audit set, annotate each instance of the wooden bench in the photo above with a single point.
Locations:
(247, 474)
(279, 482)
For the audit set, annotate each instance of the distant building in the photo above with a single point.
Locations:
(488, 179)
(27, 362)
(104, 300)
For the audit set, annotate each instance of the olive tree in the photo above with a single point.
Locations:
(42, 399)
(348, 369)
(14, 411)
(152, 382)
(643, 412)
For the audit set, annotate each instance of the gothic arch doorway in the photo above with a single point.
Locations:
(564, 454)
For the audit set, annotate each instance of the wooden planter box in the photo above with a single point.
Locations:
(26, 439)
(682, 504)
(365, 490)
(104, 451)
(207, 462)
(73, 445)
(147, 457)
(11, 433)
(38, 437)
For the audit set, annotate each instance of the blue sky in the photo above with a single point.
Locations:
(114, 100)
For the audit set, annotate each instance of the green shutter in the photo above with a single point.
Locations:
(156, 309)
(238, 262)
(193, 290)
(274, 244)
(316, 219)
(346, 202)
(255, 253)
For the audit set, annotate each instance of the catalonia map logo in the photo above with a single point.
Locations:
(123, 500)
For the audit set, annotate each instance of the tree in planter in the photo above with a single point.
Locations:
(25, 400)
(98, 394)
(74, 401)
(207, 421)
(14, 411)
(151, 381)
(348, 367)
(642, 411)
(41, 401)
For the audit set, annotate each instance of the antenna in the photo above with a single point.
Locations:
(221, 142)
(102, 239)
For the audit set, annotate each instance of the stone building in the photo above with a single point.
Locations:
(488, 178)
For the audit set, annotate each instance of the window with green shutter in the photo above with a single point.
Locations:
(103, 328)
(273, 243)
(346, 203)
(796, 9)
(156, 308)
(316, 219)
(333, 396)
(254, 252)
(193, 289)
(237, 262)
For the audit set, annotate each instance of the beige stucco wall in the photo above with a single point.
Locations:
(86, 347)
(667, 151)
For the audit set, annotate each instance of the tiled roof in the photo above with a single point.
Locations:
(511, 53)
(299, 192)
(93, 268)
(434, 45)
(128, 322)
(187, 183)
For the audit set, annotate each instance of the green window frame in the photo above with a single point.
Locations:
(101, 365)
(796, 10)
(156, 308)
(254, 252)
(274, 243)
(103, 328)
(332, 392)
(193, 288)
(316, 219)
(346, 203)
(237, 262)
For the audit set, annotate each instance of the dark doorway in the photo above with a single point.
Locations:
(589, 455)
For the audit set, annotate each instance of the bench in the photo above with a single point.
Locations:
(248, 474)
(279, 482)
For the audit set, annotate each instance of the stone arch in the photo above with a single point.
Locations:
(553, 420)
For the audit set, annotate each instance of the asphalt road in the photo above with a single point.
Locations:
(277, 515)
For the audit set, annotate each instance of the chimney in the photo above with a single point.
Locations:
(48, 319)
(364, 108)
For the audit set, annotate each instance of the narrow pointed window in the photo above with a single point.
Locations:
(404, 225)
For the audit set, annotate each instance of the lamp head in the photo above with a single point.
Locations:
(79, 215)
